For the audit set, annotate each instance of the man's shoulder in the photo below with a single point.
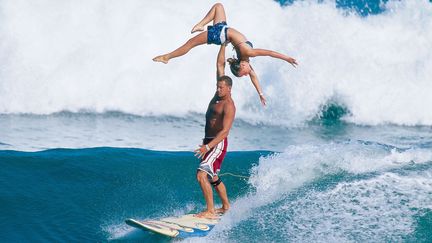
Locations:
(229, 104)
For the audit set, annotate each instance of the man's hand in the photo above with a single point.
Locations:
(201, 151)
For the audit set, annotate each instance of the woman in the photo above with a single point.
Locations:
(220, 34)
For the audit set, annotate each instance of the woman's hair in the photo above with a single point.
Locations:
(234, 66)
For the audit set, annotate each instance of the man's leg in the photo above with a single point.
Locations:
(221, 190)
(208, 195)
(216, 13)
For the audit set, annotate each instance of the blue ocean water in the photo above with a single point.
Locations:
(330, 180)
(93, 132)
(81, 194)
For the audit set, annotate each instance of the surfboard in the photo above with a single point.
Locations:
(176, 227)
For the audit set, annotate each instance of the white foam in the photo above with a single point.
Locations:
(299, 164)
(121, 231)
(378, 209)
(277, 176)
(96, 55)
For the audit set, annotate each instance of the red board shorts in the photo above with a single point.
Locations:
(212, 160)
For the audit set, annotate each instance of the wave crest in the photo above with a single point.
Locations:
(96, 56)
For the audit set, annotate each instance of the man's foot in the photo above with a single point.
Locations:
(221, 210)
(197, 28)
(161, 58)
(207, 215)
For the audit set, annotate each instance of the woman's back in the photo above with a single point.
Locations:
(239, 42)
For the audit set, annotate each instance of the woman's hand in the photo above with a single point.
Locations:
(292, 61)
(263, 99)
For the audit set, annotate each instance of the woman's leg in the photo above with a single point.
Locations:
(185, 48)
(216, 13)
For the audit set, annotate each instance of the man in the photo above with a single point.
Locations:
(219, 119)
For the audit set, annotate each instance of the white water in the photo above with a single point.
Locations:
(378, 207)
(96, 56)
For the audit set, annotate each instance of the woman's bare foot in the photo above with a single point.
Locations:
(197, 28)
(161, 58)
(207, 214)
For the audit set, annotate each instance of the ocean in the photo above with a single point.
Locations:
(92, 131)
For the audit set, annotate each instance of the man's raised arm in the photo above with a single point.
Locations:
(220, 63)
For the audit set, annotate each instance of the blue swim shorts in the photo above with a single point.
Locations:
(217, 34)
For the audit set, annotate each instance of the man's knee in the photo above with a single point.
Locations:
(216, 181)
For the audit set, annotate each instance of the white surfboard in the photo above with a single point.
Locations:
(184, 226)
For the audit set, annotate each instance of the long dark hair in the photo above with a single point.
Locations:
(234, 66)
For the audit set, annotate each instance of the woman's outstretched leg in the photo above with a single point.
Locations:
(185, 48)
(216, 13)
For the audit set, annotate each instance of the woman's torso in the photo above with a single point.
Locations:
(240, 43)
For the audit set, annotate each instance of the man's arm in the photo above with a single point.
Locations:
(263, 52)
(220, 63)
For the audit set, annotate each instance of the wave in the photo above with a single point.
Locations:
(383, 208)
(335, 191)
(94, 190)
(96, 56)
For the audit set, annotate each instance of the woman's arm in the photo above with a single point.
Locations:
(256, 84)
(220, 63)
(263, 52)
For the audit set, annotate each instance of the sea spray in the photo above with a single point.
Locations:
(345, 166)
(96, 56)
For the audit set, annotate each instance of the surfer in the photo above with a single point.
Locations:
(219, 119)
(219, 33)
